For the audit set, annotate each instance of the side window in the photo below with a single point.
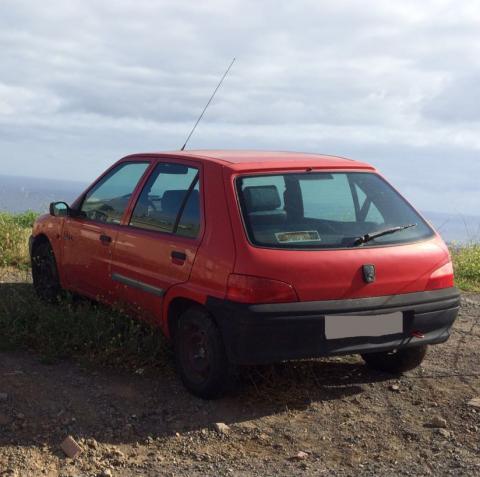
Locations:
(170, 190)
(328, 199)
(108, 199)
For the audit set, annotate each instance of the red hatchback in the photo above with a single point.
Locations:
(254, 257)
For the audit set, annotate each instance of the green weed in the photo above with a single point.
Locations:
(466, 263)
(14, 233)
(76, 328)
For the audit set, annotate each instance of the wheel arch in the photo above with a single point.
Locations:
(38, 240)
(176, 307)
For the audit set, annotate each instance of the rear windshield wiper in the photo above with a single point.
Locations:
(371, 236)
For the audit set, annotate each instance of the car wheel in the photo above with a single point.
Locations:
(200, 354)
(396, 362)
(45, 273)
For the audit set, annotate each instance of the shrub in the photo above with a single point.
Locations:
(466, 262)
(14, 233)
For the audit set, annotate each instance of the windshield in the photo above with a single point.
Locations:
(325, 210)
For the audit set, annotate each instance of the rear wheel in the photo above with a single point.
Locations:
(200, 354)
(396, 362)
(45, 273)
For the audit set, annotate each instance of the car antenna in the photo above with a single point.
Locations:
(208, 103)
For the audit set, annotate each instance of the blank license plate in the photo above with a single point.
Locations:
(350, 326)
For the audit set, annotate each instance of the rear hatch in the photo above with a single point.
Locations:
(337, 235)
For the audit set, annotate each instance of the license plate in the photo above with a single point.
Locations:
(350, 326)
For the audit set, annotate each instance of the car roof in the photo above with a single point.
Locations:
(247, 160)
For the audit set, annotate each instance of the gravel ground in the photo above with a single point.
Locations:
(320, 417)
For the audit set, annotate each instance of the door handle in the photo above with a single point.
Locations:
(106, 239)
(181, 256)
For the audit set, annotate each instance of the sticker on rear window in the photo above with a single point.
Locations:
(301, 236)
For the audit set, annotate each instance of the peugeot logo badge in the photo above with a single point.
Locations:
(369, 273)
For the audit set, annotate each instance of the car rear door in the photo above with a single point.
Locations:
(89, 236)
(157, 247)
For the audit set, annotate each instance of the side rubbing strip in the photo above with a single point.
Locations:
(131, 282)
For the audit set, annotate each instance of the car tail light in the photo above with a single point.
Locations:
(250, 289)
(441, 278)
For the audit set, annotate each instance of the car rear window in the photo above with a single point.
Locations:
(325, 210)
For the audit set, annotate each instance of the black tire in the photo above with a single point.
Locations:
(200, 354)
(45, 273)
(396, 362)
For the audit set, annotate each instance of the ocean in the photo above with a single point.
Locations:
(18, 194)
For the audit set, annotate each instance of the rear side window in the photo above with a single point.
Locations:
(189, 223)
(325, 210)
(107, 200)
(169, 201)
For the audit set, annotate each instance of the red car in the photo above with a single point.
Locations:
(254, 257)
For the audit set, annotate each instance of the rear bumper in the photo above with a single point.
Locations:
(256, 334)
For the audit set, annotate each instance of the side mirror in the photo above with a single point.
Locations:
(59, 209)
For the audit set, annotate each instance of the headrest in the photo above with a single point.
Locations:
(172, 200)
(260, 198)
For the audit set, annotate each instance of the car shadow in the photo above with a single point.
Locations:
(45, 402)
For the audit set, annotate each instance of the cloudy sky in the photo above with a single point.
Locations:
(397, 84)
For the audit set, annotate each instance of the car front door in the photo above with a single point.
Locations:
(90, 234)
(157, 248)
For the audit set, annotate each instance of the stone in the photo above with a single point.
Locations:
(92, 443)
(300, 455)
(444, 432)
(437, 422)
(117, 454)
(475, 402)
(70, 447)
(394, 388)
(248, 425)
(221, 428)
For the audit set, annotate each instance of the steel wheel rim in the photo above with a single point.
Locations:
(195, 353)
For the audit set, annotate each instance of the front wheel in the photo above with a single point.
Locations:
(200, 354)
(45, 273)
(396, 362)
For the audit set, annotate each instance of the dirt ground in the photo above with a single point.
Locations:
(322, 417)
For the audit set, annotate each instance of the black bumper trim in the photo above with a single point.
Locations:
(256, 334)
(427, 300)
